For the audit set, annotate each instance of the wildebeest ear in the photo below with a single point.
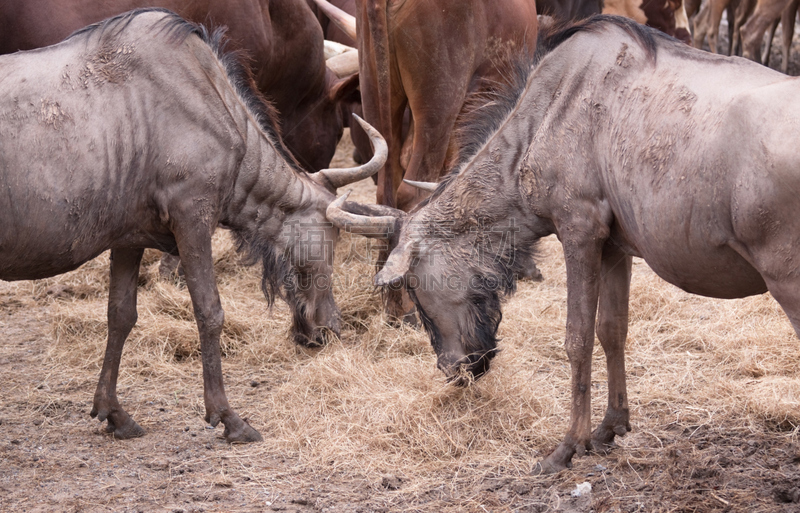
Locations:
(396, 265)
(345, 89)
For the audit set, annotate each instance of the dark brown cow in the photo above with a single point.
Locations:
(281, 37)
(136, 133)
(668, 16)
(623, 143)
(569, 10)
(330, 29)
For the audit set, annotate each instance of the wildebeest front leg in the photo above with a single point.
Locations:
(194, 247)
(612, 330)
(583, 256)
(121, 319)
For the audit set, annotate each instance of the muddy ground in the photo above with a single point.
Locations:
(710, 433)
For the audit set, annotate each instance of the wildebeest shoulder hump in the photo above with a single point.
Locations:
(176, 30)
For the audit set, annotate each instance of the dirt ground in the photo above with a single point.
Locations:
(368, 424)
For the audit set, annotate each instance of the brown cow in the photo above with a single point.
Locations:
(331, 30)
(668, 16)
(281, 37)
(765, 17)
(427, 56)
(623, 143)
(137, 133)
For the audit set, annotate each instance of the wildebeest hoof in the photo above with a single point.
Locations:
(545, 467)
(560, 459)
(128, 428)
(244, 433)
(127, 431)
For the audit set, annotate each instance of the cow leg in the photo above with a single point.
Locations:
(787, 22)
(121, 319)
(753, 31)
(583, 261)
(743, 11)
(765, 54)
(612, 330)
(194, 246)
(731, 11)
(715, 16)
(702, 25)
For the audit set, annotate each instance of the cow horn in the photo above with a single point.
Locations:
(344, 64)
(381, 227)
(340, 177)
(425, 186)
(344, 21)
(332, 49)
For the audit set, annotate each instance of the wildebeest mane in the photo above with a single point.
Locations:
(239, 74)
(487, 108)
(552, 35)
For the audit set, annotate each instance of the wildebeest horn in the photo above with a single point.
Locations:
(370, 226)
(344, 21)
(340, 177)
(397, 264)
(425, 186)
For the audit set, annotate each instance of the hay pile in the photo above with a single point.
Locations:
(373, 404)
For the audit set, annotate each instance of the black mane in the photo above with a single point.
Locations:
(485, 110)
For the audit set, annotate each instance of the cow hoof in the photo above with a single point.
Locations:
(243, 434)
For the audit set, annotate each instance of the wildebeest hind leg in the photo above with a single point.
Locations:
(194, 246)
(612, 330)
(121, 319)
(787, 293)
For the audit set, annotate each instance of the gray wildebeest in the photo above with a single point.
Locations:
(282, 39)
(623, 142)
(140, 133)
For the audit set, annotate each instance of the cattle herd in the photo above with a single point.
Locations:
(489, 125)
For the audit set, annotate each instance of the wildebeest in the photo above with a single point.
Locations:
(139, 132)
(427, 56)
(623, 143)
(282, 39)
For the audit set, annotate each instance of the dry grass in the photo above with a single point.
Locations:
(372, 404)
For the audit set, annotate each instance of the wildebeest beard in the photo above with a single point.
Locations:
(494, 279)
(278, 279)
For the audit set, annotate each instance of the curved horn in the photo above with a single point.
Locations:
(381, 227)
(396, 265)
(344, 64)
(340, 177)
(344, 21)
(332, 49)
(425, 186)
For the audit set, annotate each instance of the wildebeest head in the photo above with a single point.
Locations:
(298, 261)
(456, 268)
